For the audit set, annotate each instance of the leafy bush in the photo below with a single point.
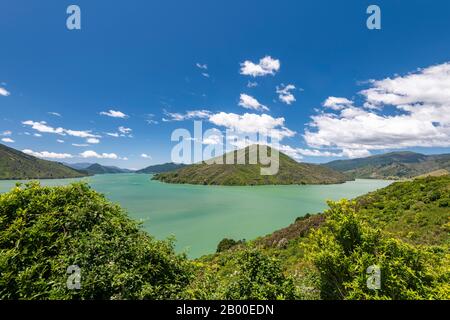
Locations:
(44, 230)
(226, 244)
(259, 277)
(346, 246)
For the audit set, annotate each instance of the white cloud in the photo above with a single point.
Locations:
(93, 154)
(8, 140)
(4, 92)
(47, 154)
(113, 134)
(421, 102)
(202, 66)
(80, 144)
(124, 130)
(253, 123)
(284, 93)
(337, 103)
(56, 114)
(93, 140)
(37, 135)
(195, 114)
(114, 114)
(146, 156)
(151, 121)
(6, 133)
(43, 127)
(206, 75)
(60, 141)
(249, 102)
(266, 66)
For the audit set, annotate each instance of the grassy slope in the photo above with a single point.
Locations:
(394, 165)
(290, 172)
(18, 165)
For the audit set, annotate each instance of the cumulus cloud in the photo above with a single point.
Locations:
(266, 66)
(4, 92)
(421, 101)
(195, 114)
(114, 114)
(253, 123)
(249, 102)
(8, 140)
(93, 154)
(284, 93)
(47, 154)
(43, 127)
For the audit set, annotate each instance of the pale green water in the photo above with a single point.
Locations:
(201, 216)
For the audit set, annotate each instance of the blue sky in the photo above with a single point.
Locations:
(357, 91)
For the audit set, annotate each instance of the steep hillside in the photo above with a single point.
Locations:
(18, 165)
(290, 172)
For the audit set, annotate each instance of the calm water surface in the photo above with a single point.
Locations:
(200, 216)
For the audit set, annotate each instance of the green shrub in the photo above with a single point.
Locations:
(258, 277)
(346, 246)
(44, 230)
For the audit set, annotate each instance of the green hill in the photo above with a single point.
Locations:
(18, 165)
(394, 165)
(160, 168)
(100, 169)
(290, 172)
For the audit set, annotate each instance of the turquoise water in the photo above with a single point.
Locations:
(200, 216)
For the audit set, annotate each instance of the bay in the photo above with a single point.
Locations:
(200, 216)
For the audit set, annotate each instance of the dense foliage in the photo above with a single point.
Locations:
(44, 230)
(402, 229)
(226, 244)
(416, 211)
(345, 247)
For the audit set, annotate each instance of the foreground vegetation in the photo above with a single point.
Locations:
(402, 229)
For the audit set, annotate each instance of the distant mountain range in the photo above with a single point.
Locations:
(95, 168)
(16, 165)
(393, 165)
(290, 172)
(160, 168)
